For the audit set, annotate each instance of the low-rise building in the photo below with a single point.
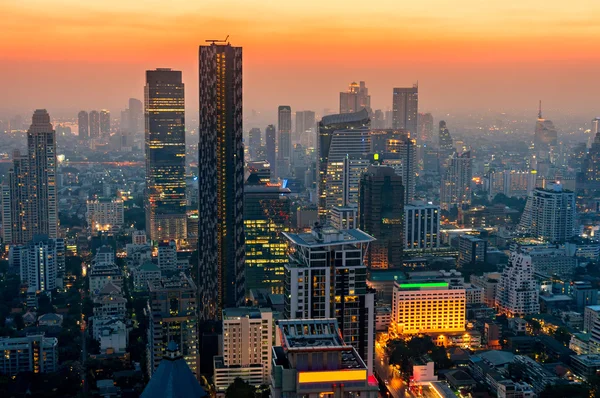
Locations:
(147, 272)
(103, 273)
(112, 334)
(34, 353)
(585, 366)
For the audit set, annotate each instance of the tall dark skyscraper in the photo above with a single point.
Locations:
(221, 185)
(94, 124)
(405, 109)
(136, 116)
(104, 122)
(83, 125)
(254, 139)
(356, 98)
(381, 214)
(425, 127)
(29, 205)
(165, 202)
(284, 140)
(270, 143)
(445, 139)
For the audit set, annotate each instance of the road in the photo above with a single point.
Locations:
(395, 384)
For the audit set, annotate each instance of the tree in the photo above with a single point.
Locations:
(562, 334)
(565, 391)
(19, 323)
(517, 370)
(240, 389)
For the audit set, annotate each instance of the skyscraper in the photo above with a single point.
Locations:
(29, 201)
(83, 125)
(405, 108)
(136, 116)
(421, 226)
(517, 293)
(381, 213)
(165, 202)
(284, 140)
(339, 136)
(94, 124)
(545, 135)
(41, 262)
(456, 184)
(355, 99)
(305, 128)
(445, 139)
(270, 143)
(221, 165)
(425, 126)
(254, 138)
(104, 122)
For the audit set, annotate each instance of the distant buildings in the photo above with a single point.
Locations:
(284, 140)
(221, 165)
(445, 139)
(325, 278)
(34, 353)
(29, 197)
(425, 133)
(305, 128)
(105, 214)
(83, 125)
(165, 202)
(545, 135)
(381, 211)
(94, 124)
(247, 347)
(456, 183)
(591, 163)
(104, 122)
(41, 263)
(405, 108)
(355, 99)
(254, 142)
(421, 226)
(517, 292)
(172, 313)
(549, 214)
(271, 147)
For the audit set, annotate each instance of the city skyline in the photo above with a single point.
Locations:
(535, 54)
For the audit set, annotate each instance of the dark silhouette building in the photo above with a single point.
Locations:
(83, 125)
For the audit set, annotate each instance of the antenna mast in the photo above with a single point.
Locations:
(226, 40)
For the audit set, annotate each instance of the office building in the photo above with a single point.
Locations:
(284, 140)
(29, 202)
(172, 312)
(167, 256)
(421, 226)
(41, 263)
(83, 125)
(591, 163)
(381, 212)
(104, 122)
(305, 128)
(254, 142)
(445, 139)
(165, 202)
(428, 307)
(405, 109)
(326, 277)
(105, 214)
(401, 154)
(221, 164)
(545, 135)
(353, 168)
(584, 294)
(425, 126)
(456, 184)
(247, 347)
(344, 217)
(339, 137)
(549, 214)
(517, 293)
(34, 353)
(271, 147)
(267, 213)
(355, 99)
(313, 360)
(471, 249)
(94, 124)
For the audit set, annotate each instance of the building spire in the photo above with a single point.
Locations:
(540, 111)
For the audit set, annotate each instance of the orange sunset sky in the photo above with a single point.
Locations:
(466, 54)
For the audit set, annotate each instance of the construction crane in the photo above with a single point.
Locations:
(218, 41)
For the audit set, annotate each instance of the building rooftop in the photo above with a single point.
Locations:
(344, 118)
(244, 312)
(556, 297)
(328, 236)
(149, 266)
(310, 333)
(494, 358)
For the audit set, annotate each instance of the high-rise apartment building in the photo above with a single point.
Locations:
(326, 278)
(549, 214)
(247, 347)
(353, 169)
(172, 308)
(94, 124)
(254, 142)
(83, 125)
(271, 147)
(591, 162)
(381, 212)
(517, 293)
(339, 137)
(428, 307)
(34, 353)
(421, 226)
(165, 202)
(456, 184)
(267, 213)
(29, 202)
(445, 139)
(425, 126)
(221, 165)
(284, 140)
(105, 214)
(405, 108)
(104, 122)
(355, 99)
(305, 128)
(41, 263)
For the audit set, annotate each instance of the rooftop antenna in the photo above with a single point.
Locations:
(218, 41)
(540, 111)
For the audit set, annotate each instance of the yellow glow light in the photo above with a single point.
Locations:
(334, 376)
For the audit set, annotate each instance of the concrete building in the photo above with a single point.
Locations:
(428, 307)
(344, 218)
(405, 108)
(456, 185)
(471, 250)
(103, 273)
(146, 273)
(41, 263)
(105, 214)
(326, 277)
(590, 315)
(34, 353)
(313, 359)
(517, 293)
(167, 256)
(355, 99)
(247, 347)
(584, 294)
(421, 226)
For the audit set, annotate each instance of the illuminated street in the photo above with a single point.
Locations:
(394, 382)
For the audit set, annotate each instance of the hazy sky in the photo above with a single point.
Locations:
(466, 54)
